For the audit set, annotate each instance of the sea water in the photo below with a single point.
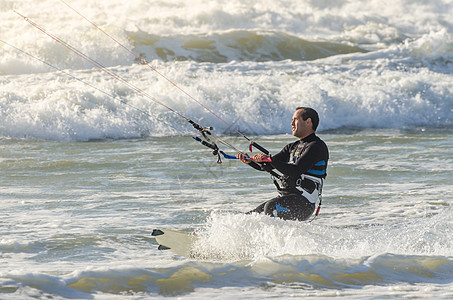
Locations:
(90, 167)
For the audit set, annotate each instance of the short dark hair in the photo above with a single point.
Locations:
(309, 112)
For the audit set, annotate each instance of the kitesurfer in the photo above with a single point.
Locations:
(303, 164)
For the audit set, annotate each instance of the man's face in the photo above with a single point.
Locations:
(300, 127)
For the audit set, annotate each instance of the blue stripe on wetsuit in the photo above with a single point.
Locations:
(280, 208)
(318, 172)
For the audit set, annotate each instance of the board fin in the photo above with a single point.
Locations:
(157, 232)
(162, 247)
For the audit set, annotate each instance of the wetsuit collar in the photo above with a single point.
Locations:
(309, 138)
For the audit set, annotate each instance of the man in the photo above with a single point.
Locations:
(303, 164)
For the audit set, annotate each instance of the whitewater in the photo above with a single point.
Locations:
(89, 166)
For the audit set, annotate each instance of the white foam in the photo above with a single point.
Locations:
(403, 82)
(257, 98)
(240, 236)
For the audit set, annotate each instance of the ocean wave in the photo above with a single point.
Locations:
(235, 45)
(355, 90)
(264, 31)
(303, 274)
(252, 78)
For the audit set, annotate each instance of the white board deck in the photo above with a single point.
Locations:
(177, 242)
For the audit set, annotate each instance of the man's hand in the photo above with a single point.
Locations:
(260, 157)
(243, 157)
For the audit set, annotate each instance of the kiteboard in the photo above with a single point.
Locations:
(178, 242)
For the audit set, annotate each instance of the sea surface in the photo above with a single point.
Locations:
(96, 150)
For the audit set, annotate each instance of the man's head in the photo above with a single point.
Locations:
(304, 122)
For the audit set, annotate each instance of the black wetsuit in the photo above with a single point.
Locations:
(307, 156)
